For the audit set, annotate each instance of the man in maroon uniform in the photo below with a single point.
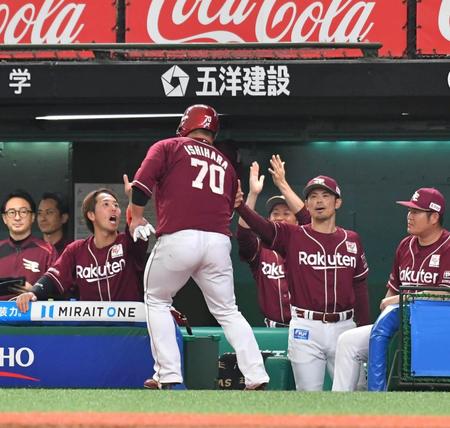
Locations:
(194, 188)
(267, 265)
(421, 259)
(106, 266)
(327, 280)
(52, 218)
(22, 255)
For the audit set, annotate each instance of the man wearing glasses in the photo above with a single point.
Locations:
(23, 258)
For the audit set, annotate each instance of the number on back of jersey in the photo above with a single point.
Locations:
(216, 175)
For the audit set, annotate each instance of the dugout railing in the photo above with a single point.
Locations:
(420, 352)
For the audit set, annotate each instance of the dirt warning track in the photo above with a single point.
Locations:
(129, 420)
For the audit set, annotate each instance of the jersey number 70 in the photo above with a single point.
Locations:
(216, 175)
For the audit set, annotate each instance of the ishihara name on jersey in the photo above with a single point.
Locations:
(425, 266)
(190, 178)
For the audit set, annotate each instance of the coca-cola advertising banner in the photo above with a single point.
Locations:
(269, 21)
(57, 21)
(433, 27)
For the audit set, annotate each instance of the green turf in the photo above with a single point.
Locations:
(269, 402)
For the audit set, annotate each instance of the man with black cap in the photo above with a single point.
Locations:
(327, 279)
(421, 259)
(267, 265)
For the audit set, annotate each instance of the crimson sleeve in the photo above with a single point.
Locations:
(303, 216)
(261, 226)
(362, 312)
(248, 244)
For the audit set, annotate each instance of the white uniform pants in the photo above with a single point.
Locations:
(311, 349)
(204, 256)
(352, 352)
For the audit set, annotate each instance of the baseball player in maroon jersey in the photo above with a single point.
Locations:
(327, 273)
(22, 255)
(107, 266)
(267, 265)
(194, 187)
(421, 259)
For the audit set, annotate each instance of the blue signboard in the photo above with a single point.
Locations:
(76, 357)
(430, 341)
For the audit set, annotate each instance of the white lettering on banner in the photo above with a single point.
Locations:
(340, 21)
(444, 21)
(22, 357)
(320, 261)
(52, 22)
(94, 273)
(248, 81)
(96, 312)
(272, 270)
(20, 79)
(421, 277)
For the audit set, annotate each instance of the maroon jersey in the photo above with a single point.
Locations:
(29, 258)
(268, 269)
(61, 245)
(323, 268)
(112, 273)
(194, 185)
(426, 266)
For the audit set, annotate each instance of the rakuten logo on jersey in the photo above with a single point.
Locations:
(421, 277)
(319, 261)
(272, 270)
(97, 273)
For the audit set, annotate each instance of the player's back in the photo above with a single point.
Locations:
(195, 185)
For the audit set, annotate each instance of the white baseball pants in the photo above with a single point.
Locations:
(352, 352)
(311, 350)
(204, 256)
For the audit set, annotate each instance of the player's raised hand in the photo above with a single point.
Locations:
(126, 185)
(239, 199)
(255, 181)
(277, 170)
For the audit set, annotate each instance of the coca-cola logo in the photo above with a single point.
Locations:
(444, 19)
(49, 21)
(179, 21)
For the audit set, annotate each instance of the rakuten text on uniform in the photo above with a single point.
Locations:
(329, 261)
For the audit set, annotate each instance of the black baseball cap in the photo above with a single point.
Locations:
(275, 200)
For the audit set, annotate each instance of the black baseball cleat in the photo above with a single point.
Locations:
(260, 387)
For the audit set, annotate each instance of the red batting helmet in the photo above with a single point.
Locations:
(198, 116)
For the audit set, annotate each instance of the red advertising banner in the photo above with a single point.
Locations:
(433, 27)
(57, 21)
(269, 21)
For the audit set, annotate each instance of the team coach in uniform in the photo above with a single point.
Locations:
(327, 273)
